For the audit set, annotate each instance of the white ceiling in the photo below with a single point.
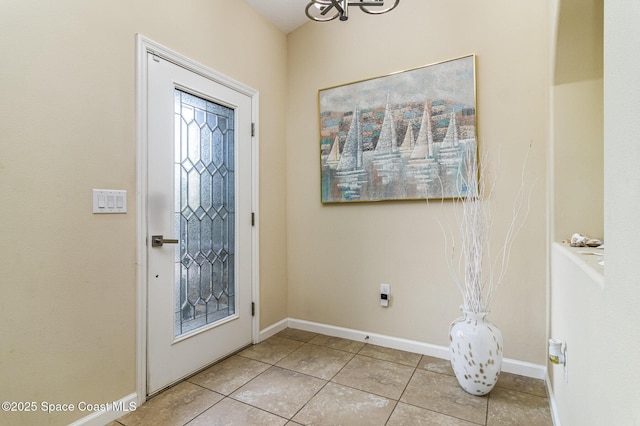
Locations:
(284, 14)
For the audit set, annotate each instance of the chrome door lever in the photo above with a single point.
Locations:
(159, 240)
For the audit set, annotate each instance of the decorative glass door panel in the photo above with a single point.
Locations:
(204, 212)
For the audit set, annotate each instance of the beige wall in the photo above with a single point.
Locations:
(578, 43)
(577, 117)
(339, 254)
(67, 125)
(578, 159)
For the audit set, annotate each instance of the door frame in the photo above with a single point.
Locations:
(143, 47)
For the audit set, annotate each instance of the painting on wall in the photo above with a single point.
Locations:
(404, 136)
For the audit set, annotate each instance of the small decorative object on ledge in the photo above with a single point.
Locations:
(475, 344)
(581, 240)
(328, 10)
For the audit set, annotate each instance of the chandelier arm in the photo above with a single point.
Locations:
(327, 6)
(377, 12)
(327, 9)
(341, 6)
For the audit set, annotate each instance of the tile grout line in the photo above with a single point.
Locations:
(403, 391)
(260, 374)
(326, 381)
(253, 406)
(206, 409)
(284, 368)
(354, 354)
(486, 417)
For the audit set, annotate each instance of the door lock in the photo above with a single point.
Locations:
(159, 240)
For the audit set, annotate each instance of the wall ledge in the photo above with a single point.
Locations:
(588, 263)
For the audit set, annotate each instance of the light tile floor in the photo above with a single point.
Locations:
(302, 378)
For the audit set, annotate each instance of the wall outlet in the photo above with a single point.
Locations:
(385, 291)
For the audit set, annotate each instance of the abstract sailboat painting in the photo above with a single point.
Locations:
(405, 136)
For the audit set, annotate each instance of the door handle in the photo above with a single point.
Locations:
(159, 240)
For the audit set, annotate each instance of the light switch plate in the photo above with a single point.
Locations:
(109, 201)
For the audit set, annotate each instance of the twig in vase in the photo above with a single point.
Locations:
(476, 276)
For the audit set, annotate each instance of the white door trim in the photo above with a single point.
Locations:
(144, 46)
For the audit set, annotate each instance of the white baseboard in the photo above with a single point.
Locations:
(522, 368)
(101, 418)
(553, 406)
(373, 338)
(272, 329)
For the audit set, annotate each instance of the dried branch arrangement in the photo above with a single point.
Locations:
(469, 253)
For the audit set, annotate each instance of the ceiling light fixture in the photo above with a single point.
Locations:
(328, 10)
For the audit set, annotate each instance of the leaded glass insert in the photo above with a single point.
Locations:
(204, 212)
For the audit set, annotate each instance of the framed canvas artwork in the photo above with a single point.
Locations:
(404, 136)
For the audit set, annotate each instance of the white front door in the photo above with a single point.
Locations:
(199, 184)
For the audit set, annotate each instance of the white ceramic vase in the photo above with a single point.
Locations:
(475, 346)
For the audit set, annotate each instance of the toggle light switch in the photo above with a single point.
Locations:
(109, 201)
